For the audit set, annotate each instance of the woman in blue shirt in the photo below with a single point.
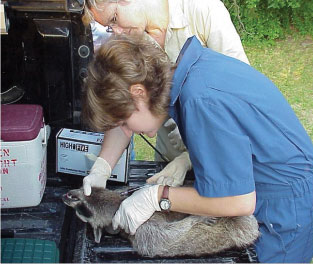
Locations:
(249, 152)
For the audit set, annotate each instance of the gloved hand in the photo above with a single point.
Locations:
(174, 136)
(99, 173)
(137, 209)
(174, 173)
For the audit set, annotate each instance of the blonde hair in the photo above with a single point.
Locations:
(88, 15)
(125, 60)
(96, 4)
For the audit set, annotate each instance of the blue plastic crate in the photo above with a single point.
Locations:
(24, 250)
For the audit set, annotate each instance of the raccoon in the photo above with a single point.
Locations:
(165, 234)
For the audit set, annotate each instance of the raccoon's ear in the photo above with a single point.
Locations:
(97, 232)
(83, 212)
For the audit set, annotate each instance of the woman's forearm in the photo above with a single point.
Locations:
(114, 143)
(187, 200)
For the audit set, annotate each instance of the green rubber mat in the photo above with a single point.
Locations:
(20, 250)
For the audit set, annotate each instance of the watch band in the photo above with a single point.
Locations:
(165, 192)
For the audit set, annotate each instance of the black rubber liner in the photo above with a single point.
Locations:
(52, 220)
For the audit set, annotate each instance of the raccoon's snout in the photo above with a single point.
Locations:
(72, 197)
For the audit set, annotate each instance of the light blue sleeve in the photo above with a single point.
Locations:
(220, 151)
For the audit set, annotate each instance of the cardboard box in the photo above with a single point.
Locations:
(77, 151)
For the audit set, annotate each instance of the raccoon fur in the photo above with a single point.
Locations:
(165, 234)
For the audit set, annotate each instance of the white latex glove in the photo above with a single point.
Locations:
(137, 209)
(174, 136)
(99, 173)
(174, 173)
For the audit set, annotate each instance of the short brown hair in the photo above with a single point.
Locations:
(125, 60)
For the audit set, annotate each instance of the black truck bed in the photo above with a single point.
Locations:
(52, 220)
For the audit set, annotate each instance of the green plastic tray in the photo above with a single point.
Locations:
(20, 250)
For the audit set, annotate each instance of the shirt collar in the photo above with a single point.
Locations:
(177, 16)
(188, 56)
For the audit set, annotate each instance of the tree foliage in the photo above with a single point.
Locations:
(270, 19)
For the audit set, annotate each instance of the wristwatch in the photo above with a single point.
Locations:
(165, 203)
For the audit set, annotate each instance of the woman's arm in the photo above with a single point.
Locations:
(141, 205)
(187, 200)
(114, 143)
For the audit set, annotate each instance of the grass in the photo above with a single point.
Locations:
(142, 149)
(289, 64)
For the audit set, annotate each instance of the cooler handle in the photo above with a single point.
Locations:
(47, 130)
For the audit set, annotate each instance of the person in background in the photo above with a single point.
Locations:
(168, 24)
(249, 152)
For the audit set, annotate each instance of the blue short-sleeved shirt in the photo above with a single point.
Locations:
(237, 126)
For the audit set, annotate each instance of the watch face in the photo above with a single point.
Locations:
(165, 204)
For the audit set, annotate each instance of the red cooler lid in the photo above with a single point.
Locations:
(20, 122)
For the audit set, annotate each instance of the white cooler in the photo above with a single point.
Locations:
(24, 139)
